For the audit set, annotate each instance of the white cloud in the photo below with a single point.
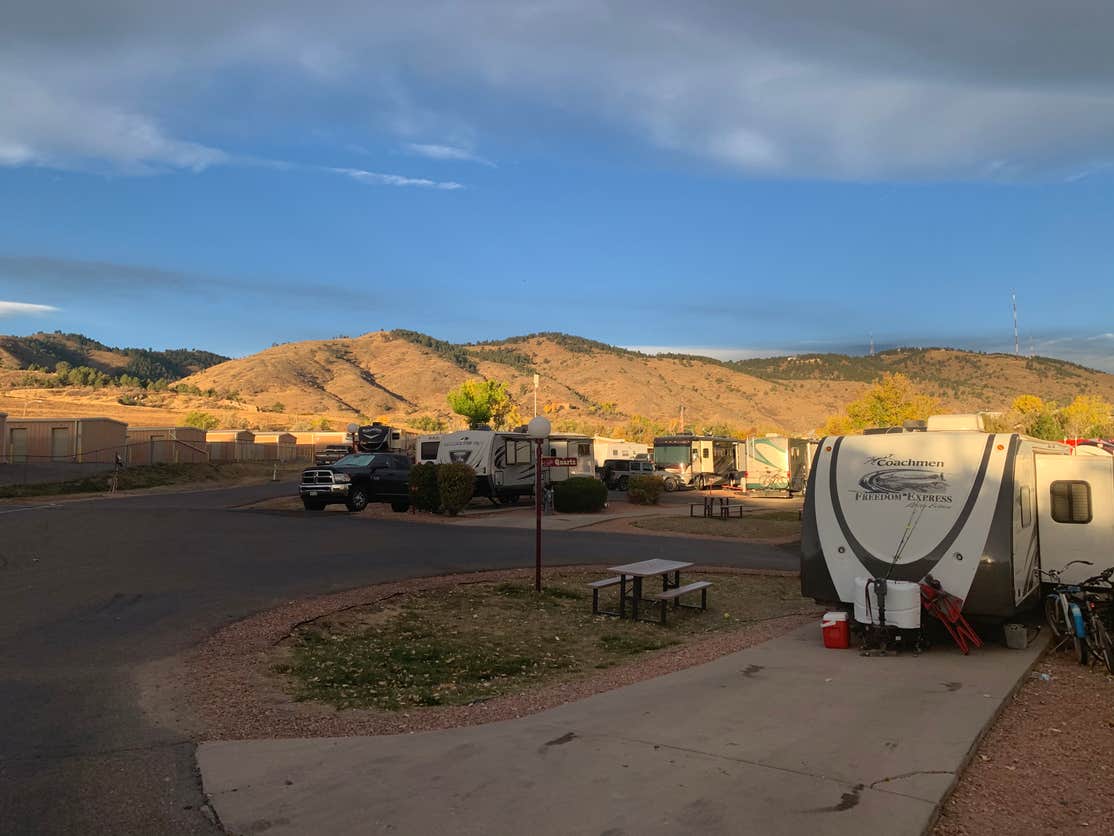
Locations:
(24, 308)
(377, 179)
(446, 152)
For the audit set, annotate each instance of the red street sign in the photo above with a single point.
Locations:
(556, 461)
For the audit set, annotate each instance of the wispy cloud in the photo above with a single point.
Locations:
(376, 178)
(447, 152)
(24, 308)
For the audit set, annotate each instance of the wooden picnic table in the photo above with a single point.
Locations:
(645, 569)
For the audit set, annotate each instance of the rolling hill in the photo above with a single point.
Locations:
(403, 376)
(47, 350)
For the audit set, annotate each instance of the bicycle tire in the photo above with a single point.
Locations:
(1054, 615)
(1080, 648)
(1100, 643)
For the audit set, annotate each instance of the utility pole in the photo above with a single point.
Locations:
(1016, 340)
(871, 343)
(682, 417)
(537, 379)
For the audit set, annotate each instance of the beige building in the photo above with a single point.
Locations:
(166, 445)
(226, 436)
(64, 439)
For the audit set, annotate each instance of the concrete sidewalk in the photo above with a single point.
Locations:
(782, 738)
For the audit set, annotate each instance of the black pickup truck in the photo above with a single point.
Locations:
(356, 480)
(332, 454)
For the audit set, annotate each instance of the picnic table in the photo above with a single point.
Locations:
(646, 569)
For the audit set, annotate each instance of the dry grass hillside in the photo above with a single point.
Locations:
(403, 377)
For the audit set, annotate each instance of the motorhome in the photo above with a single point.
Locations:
(980, 512)
(379, 438)
(698, 460)
(775, 463)
(604, 448)
(503, 461)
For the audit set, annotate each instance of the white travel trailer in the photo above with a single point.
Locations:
(569, 446)
(979, 512)
(503, 461)
(604, 448)
(775, 463)
(698, 460)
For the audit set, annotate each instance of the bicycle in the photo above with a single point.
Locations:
(1098, 602)
(1063, 613)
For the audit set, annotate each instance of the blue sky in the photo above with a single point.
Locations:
(737, 178)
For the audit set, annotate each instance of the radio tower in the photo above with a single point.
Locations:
(871, 343)
(1016, 340)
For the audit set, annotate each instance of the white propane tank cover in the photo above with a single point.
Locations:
(903, 603)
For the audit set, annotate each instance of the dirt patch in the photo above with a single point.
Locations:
(227, 688)
(1047, 765)
(776, 526)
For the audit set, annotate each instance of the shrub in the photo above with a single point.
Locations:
(645, 490)
(455, 485)
(202, 420)
(424, 493)
(579, 494)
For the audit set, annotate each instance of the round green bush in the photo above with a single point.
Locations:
(580, 494)
(424, 493)
(455, 483)
(645, 490)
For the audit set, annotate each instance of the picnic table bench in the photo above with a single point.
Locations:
(724, 511)
(671, 587)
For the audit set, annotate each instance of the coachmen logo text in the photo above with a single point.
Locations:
(897, 479)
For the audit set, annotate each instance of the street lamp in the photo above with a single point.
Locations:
(538, 429)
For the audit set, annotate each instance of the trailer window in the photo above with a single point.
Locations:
(429, 450)
(1071, 501)
(584, 449)
(519, 452)
(706, 452)
(1026, 502)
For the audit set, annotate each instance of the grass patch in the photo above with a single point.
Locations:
(152, 476)
(763, 526)
(472, 642)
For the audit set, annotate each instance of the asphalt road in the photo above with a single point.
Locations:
(90, 590)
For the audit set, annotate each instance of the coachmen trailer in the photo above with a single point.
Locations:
(979, 512)
(698, 460)
(503, 461)
(776, 463)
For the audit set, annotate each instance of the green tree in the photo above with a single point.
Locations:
(891, 401)
(427, 424)
(202, 420)
(321, 425)
(483, 402)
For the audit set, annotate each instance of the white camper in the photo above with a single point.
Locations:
(503, 461)
(604, 448)
(570, 446)
(979, 512)
(775, 463)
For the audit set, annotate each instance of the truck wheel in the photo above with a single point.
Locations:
(400, 507)
(624, 483)
(357, 500)
(313, 506)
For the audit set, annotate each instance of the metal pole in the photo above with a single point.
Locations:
(538, 510)
(537, 379)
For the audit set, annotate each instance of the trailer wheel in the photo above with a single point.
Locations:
(357, 500)
(700, 483)
(624, 483)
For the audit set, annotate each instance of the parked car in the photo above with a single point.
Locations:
(331, 454)
(356, 480)
(617, 473)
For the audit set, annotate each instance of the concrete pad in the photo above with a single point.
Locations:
(785, 737)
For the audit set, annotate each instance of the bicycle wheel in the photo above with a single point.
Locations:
(1099, 642)
(1054, 615)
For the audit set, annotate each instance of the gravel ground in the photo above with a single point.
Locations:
(1047, 765)
(223, 690)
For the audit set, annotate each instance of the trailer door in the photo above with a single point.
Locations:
(1075, 513)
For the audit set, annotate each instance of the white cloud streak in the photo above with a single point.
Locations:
(24, 309)
(446, 152)
(375, 178)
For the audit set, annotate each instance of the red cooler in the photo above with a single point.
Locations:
(836, 629)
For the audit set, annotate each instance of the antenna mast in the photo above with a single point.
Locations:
(871, 343)
(1016, 340)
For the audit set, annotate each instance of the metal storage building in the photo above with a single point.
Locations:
(65, 439)
(237, 436)
(170, 445)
